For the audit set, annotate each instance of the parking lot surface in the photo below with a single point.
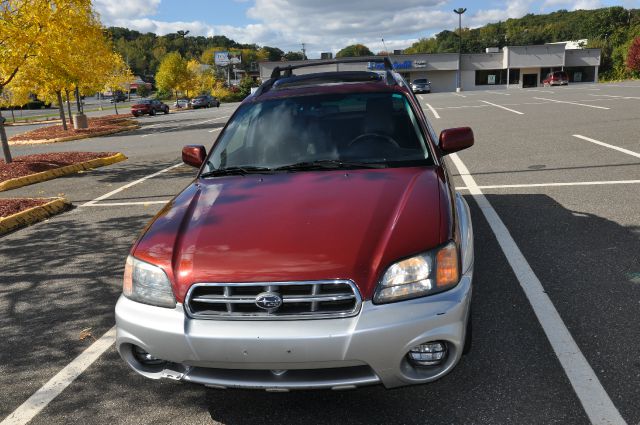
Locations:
(559, 168)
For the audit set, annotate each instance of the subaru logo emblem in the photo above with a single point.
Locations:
(268, 300)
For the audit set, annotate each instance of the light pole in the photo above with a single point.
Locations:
(459, 11)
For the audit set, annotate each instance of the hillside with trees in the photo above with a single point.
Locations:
(611, 29)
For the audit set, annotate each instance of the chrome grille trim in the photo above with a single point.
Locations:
(228, 303)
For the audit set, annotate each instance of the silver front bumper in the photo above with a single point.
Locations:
(332, 353)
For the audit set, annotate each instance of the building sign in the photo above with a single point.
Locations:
(419, 64)
(226, 58)
(491, 79)
(396, 65)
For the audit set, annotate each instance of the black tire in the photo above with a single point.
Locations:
(166, 111)
(218, 105)
(466, 348)
(152, 112)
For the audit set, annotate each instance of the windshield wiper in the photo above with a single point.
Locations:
(239, 170)
(329, 164)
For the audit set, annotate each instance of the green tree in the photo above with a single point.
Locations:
(354, 50)
(293, 56)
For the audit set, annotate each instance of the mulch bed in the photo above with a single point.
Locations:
(12, 206)
(96, 125)
(31, 164)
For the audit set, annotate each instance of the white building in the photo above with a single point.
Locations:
(513, 66)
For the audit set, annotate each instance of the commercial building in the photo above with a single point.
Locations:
(511, 66)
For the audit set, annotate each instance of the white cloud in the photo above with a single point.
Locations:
(111, 11)
(327, 25)
(571, 4)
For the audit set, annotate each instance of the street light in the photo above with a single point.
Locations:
(459, 11)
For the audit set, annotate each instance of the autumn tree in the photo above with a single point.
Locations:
(633, 57)
(24, 29)
(119, 75)
(172, 73)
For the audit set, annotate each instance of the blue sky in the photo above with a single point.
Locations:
(324, 25)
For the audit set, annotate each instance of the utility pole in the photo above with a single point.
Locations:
(304, 52)
(459, 11)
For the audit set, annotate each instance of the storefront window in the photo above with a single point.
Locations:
(491, 77)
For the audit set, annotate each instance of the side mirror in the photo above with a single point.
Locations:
(194, 155)
(455, 139)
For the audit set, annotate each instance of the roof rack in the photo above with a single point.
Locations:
(286, 71)
(277, 71)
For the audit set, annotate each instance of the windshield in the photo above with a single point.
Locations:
(371, 128)
(144, 102)
(420, 81)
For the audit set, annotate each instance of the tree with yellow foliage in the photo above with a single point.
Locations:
(119, 75)
(51, 46)
(172, 73)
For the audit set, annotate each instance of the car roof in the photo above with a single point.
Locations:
(336, 82)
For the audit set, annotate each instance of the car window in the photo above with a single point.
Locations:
(371, 127)
(420, 81)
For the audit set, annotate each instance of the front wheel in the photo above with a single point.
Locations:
(166, 111)
(152, 112)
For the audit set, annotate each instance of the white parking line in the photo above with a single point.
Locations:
(606, 145)
(433, 111)
(502, 107)
(595, 400)
(459, 95)
(215, 129)
(127, 186)
(543, 91)
(511, 186)
(41, 398)
(497, 92)
(119, 204)
(183, 126)
(571, 103)
(617, 97)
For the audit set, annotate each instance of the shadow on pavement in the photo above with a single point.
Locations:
(57, 278)
(510, 376)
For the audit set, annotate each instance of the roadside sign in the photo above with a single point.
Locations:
(225, 58)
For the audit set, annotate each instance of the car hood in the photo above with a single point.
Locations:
(295, 227)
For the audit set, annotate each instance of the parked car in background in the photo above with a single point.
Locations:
(556, 78)
(148, 106)
(182, 103)
(421, 85)
(321, 245)
(204, 101)
(118, 97)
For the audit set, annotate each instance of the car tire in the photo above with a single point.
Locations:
(152, 112)
(218, 105)
(166, 111)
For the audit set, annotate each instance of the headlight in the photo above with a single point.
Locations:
(146, 283)
(425, 274)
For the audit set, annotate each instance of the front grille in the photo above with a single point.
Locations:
(299, 300)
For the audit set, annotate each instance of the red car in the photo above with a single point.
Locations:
(322, 245)
(149, 106)
(556, 78)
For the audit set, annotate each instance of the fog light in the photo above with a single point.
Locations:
(428, 354)
(145, 358)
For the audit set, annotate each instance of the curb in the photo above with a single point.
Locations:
(70, 138)
(22, 123)
(59, 172)
(33, 215)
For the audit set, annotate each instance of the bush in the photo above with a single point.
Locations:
(143, 90)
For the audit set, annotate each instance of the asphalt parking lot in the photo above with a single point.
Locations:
(558, 167)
